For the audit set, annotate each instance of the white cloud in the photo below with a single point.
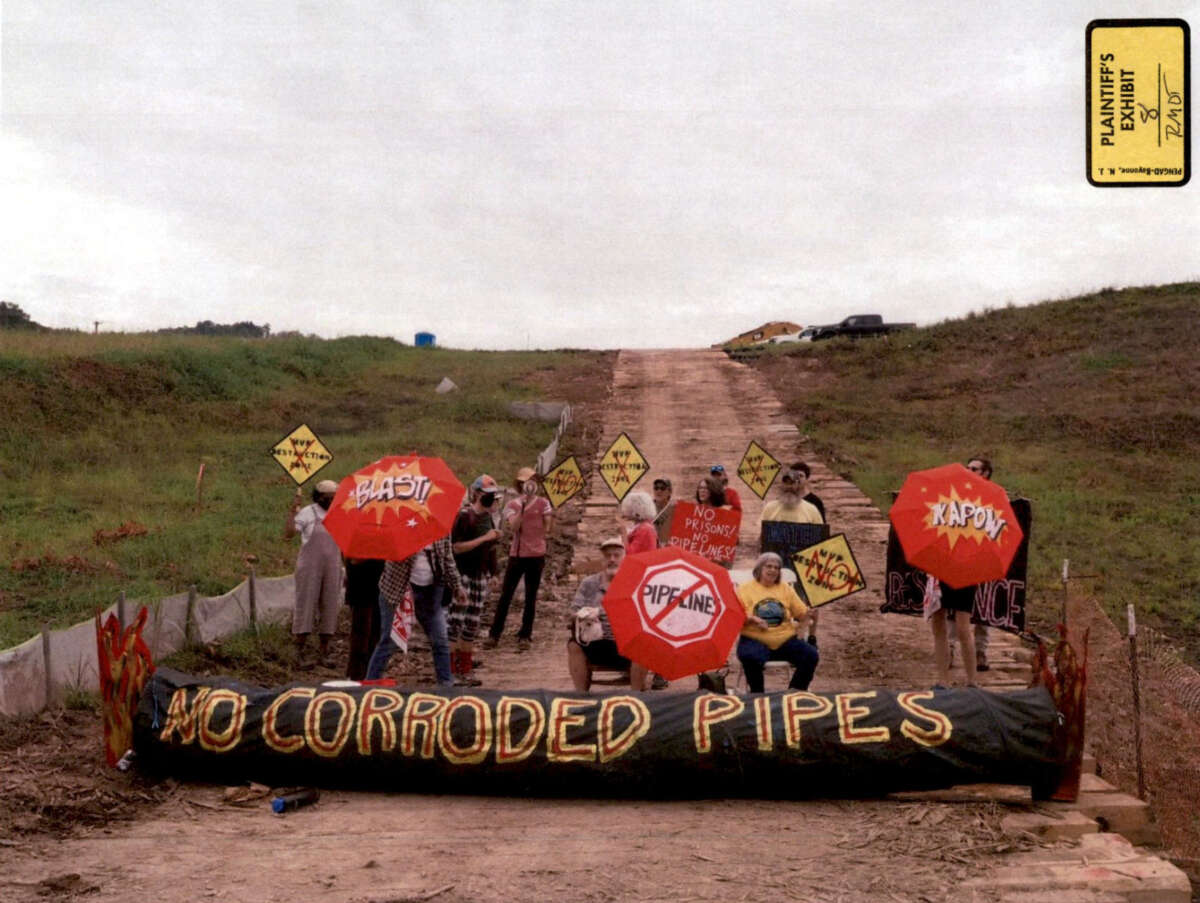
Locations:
(505, 175)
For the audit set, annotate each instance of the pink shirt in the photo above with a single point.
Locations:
(529, 531)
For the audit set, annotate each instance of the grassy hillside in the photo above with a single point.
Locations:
(104, 430)
(1088, 406)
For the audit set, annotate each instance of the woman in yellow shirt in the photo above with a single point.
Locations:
(776, 622)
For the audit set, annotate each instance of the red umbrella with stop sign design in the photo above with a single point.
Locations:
(956, 525)
(673, 611)
(394, 507)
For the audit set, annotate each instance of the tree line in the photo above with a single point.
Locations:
(13, 317)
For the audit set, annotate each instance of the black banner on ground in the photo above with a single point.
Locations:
(538, 743)
(998, 603)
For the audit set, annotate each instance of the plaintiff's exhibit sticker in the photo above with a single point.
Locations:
(1138, 102)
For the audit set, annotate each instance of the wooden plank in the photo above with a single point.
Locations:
(968, 793)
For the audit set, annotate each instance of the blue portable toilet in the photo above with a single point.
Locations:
(425, 339)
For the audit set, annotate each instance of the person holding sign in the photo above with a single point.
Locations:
(318, 574)
(776, 621)
(793, 508)
(712, 492)
(430, 573)
(709, 491)
(732, 499)
(530, 516)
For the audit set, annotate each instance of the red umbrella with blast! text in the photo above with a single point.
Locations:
(673, 611)
(394, 507)
(956, 525)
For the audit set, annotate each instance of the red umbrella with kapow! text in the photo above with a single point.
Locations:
(956, 525)
(394, 507)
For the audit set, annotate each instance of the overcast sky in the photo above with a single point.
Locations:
(568, 174)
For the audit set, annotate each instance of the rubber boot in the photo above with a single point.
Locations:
(467, 677)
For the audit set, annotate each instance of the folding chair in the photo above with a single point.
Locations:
(615, 677)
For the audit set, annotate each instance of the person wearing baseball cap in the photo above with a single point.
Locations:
(586, 653)
(473, 539)
(478, 485)
(318, 572)
(530, 516)
(732, 499)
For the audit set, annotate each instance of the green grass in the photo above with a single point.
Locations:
(266, 656)
(103, 430)
(1088, 406)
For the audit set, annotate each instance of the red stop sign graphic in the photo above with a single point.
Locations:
(678, 603)
(673, 611)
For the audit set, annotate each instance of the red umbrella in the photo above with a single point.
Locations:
(394, 507)
(673, 611)
(956, 525)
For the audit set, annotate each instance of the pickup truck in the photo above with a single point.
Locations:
(858, 326)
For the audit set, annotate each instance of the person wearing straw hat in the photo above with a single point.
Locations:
(529, 516)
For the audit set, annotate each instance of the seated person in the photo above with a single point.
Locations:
(776, 619)
(602, 652)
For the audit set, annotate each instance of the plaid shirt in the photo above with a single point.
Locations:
(394, 581)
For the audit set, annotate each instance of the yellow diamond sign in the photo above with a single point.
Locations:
(828, 571)
(563, 481)
(622, 466)
(300, 453)
(758, 469)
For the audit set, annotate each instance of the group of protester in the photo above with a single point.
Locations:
(450, 581)
(779, 625)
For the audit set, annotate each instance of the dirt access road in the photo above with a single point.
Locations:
(685, 410)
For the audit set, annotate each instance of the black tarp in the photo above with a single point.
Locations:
(542, 743)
